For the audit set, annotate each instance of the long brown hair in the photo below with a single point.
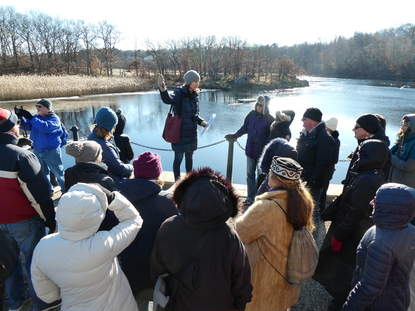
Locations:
(100, 132)
(300, 202)
(401, 134)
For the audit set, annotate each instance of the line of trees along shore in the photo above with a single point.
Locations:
(41, 44)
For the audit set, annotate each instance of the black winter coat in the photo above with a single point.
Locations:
(186, 105)
(154, 209)
(209, 263)
(354, 156)
(351, 217)
(89, 172)
(385, 256)
(316, 154)
(92, 172)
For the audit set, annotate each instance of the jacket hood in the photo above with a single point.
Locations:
(394, 206)
(411, 121)
(138, 189)
(205, 199)
(372, 154)
(80, 211)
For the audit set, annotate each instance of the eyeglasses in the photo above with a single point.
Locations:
(357, 127)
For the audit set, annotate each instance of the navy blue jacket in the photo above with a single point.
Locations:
(110, 156)
(257, 126)
(277, 147)
(385, 255)
(154, 209)
(186, 105)
(317, 155)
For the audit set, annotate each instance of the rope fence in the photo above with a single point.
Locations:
(163, 149)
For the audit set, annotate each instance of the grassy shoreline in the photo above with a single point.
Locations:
(29, 87)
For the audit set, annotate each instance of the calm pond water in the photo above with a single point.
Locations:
(342, 98)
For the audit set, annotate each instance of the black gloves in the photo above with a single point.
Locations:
(26, 114)
(20, 112)
(231, 137)
(23, 141)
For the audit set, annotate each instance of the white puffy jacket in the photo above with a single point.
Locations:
(78, 264)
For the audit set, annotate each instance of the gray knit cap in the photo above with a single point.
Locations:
(84, 151)
(191, 76)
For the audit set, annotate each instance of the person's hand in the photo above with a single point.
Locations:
(26, 114)
(204, 124)
(336, 246)
(230, 137)
(161, 83)
(18, 111)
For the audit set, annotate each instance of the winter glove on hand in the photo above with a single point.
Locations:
(204, 124)
(231, 137)
(18, 111)
(23, 141)
(161, 84)
(26, 114)
(336, 246)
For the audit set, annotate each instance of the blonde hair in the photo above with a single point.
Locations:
(160, 182)
(100, 132)
(300, 202)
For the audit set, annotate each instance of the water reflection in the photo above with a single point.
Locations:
(342, 98)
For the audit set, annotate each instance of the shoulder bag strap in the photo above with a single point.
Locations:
(262, 253)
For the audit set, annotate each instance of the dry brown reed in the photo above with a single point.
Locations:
(15, 87)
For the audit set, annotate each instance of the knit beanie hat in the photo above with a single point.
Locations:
(286, 168)
(8, 119)
(106, 118)
(331, 124)
(45, 103)
(313, 113)
(281, 117)
(369, 122)
(191, 76)
(260, 100)
(147, 166)
(84, 151)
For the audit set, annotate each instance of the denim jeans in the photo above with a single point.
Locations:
(251, 172)
(178, 158)
(27, 234)
(51, 161)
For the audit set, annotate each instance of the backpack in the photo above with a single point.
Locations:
(302, 256)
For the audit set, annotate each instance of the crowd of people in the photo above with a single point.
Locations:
(117, 241)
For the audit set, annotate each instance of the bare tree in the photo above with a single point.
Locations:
(110, 37)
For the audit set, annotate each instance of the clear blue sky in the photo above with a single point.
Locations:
(259, 21)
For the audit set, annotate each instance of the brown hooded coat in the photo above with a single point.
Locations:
(267, 235)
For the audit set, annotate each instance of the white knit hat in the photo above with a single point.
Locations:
(331, 124)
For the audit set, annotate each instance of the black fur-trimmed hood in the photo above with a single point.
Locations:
(205, 199)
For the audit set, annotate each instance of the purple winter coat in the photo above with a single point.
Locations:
(257, 126)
